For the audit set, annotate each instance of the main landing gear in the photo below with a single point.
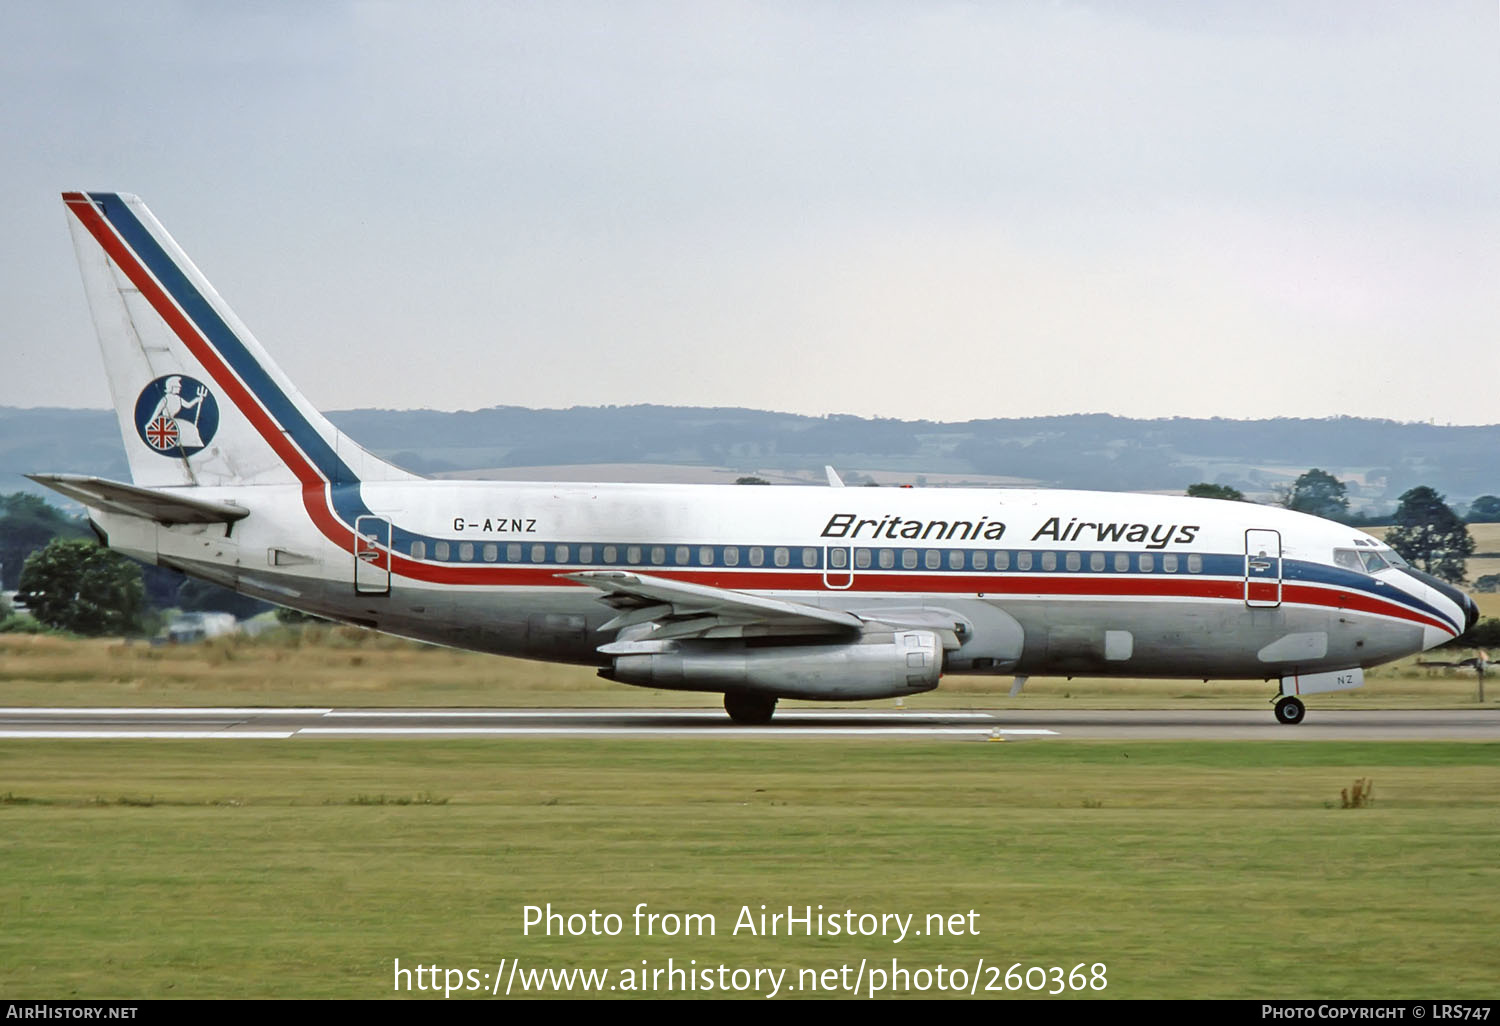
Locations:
(1290, 710)
(749, 708)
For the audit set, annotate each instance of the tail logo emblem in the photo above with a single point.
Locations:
(176, 415)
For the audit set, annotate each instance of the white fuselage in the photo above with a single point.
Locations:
(1046, 582)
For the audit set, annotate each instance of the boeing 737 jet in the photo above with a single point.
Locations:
(756, 593)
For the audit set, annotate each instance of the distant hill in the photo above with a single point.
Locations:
(1377, 459)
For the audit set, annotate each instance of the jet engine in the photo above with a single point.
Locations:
(878, 665)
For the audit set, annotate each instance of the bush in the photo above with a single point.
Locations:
(74, 585)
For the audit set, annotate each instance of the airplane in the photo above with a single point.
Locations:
(760, 594)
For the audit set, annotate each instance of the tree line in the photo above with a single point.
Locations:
(1424, 530)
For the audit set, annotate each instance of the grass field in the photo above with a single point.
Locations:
(251, 869)
(346, 666)
(304, 868)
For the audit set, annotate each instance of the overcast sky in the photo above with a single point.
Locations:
(919, 210)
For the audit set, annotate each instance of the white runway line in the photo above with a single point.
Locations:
(770, 733)
(147, 735)
(787, 716)
(207, 710)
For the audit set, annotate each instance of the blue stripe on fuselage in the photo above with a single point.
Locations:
(347, 501)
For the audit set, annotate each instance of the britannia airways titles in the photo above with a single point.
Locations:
(1153, 536)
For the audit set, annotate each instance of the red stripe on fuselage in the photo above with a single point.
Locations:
(956, 585)
(315, 497)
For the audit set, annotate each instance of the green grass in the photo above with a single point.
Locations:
(303, 868)
(346, 666)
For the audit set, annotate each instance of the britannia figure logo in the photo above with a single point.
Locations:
(176, 415)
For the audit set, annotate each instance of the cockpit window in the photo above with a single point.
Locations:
(1365, 560)
(1348, 559)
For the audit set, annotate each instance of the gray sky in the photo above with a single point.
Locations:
(916, 210)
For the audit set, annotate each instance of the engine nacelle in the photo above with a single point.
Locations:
(875, 666)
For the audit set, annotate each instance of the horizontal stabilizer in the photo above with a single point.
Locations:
(148, 503)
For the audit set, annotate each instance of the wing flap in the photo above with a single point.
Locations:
(680, 610)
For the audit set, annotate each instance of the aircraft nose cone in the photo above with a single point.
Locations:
(1448, 591)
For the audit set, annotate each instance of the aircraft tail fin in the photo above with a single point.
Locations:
(199, 401)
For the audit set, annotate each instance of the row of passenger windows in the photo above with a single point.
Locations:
(961, 559)
(807, 557)
(656, 555)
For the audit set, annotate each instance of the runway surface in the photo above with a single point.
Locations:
(789, 724)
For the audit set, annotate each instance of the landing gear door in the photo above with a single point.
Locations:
(1262, 568)
(372, 556)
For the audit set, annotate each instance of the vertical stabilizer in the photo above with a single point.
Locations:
(198, 399)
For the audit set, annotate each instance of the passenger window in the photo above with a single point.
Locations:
(705, 555)
(466, 551)
(682, 555)
(418, 550)
(731, 555)
(1147, 562)
(1195, 564)
(1073, 561)
(1002, 561)
(933, 559)
(810, 557)
(610, 554)
(757, 555)
(909, 559)
(1023, 561)
(1049, 561)
(632, 554)
(658, 554)
(781, 556)
(838, 559)
(440, 550)
(562, 554)
(887, 558)
(981, 561)
(1122, 562)
(539, 553)
(862, 558)
(513, 552)
(1096, 561)
(1169, 563)
(955, 560)
(585, 553)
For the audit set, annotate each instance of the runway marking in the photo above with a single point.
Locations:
(771, 733)
(148, 735)
(676, 714)
(207, 710)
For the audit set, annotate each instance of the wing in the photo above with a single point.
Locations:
(164, 507)
(678, 610)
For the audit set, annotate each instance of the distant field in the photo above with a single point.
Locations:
(347, 666)
(303, 869)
